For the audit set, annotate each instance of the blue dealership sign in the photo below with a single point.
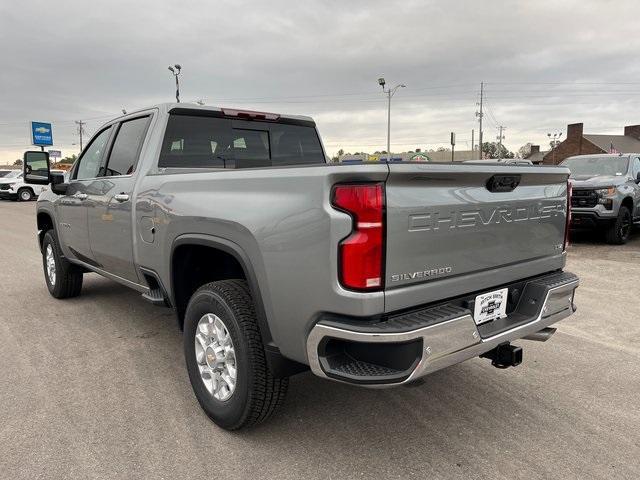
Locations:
(41, 134)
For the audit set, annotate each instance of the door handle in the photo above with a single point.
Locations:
(80, 196)
(121, 197)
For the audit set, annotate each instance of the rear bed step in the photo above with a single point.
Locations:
(156, 293)
(155, 296)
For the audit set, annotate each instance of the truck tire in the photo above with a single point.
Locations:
(64, 280)
(25, 194)
(225, 357)
(620, 231)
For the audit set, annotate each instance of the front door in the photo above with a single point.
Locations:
(110, 217)
(73, 227)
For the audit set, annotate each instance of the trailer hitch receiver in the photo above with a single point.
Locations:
(504, 355)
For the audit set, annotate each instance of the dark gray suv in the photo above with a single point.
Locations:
(605, 193)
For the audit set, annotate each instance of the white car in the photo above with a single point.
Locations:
(12, 187)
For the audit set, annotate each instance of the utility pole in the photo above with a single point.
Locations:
(453, 146)
(81, 125)
(479, 114)
(390, 92)
(472, 139)
(500, 137)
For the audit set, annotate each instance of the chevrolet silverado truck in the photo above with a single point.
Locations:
(276, 261)
(606, 194)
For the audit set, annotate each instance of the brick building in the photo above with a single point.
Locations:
(535, 155)
(579, 143)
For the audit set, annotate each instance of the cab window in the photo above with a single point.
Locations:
(89, 162)
(126, 147)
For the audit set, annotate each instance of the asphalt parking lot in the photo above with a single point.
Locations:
(96, 387)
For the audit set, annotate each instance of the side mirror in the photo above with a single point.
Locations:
(35, 167)
(58, 185)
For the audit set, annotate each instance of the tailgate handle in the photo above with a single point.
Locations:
(503, 183)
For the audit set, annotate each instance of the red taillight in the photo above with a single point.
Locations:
(361, 253)
(250, 114)
(567, 226)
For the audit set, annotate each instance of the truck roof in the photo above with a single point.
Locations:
(603, 155)
(167, 107)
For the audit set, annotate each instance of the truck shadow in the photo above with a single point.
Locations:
(583, 237)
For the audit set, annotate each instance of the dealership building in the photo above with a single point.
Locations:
(580, 143)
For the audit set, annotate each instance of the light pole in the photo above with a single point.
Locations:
(175, 70)
(390, 92)
(554, 141)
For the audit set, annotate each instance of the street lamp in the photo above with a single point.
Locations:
(175, 70)
(390, 92)
(554, 141)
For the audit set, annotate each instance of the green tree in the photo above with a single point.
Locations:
(525, 150)
(18, 162)
(495, 150)
(69, 160)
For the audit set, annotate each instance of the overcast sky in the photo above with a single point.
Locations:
(545, 64)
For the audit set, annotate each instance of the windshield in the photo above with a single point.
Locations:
(11, 174)
(597, 165)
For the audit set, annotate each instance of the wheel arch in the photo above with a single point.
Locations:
(628, 202)
(231, 250)
(44, 222)
(26, 187)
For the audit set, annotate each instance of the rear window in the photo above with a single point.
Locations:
(207, 142)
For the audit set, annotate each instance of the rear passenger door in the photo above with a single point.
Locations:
(110, 214)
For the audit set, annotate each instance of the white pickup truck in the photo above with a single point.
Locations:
(13, 187)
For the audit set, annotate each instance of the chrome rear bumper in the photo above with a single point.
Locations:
(544, 301)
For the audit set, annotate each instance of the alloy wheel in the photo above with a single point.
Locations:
(216, 357)
(625, 226)
(51, 265)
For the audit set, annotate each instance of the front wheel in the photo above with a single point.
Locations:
(25, 194)
(620, 231)
(64, 280)
(225, 357)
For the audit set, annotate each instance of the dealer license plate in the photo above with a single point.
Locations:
(490, 306)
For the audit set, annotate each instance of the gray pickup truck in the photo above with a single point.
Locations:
(606, 194)
(275, 261)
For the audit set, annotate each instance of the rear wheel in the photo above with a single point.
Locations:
(25, 194)
(225, 357)
(64, 280)
(620, 231)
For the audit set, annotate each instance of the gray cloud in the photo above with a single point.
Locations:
(545, 64)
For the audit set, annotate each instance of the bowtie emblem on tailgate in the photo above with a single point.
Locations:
(503, 183)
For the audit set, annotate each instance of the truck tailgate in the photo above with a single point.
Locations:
(464, 227)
